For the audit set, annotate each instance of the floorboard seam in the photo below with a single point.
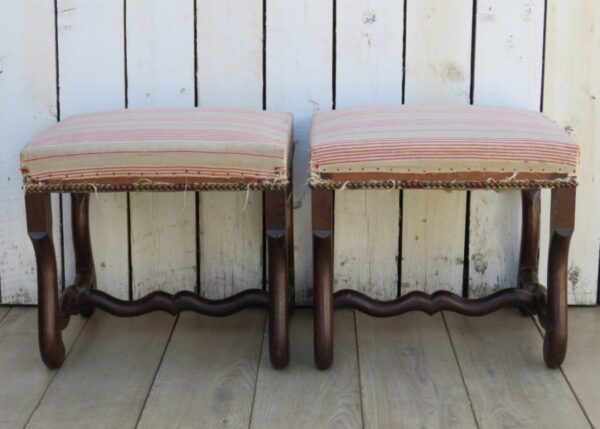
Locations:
(571, 388)
(56, 373)
(462, 376)
(5, 314)
(360, 389)
(156, 371)
(260, 353)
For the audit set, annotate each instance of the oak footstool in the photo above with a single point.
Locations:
(158, 151)
(458, 149)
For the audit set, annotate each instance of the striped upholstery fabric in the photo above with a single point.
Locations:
(439, 139)
(162, 145)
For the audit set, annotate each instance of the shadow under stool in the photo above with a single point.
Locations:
(455, 148)
(158, 151)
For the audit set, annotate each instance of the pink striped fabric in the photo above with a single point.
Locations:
(440, 139)
(136, 144)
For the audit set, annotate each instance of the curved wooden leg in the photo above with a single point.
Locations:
(39, 227)
(275, 207)
(322, 229)
(84, 259)
(530, 241)
(562, 221)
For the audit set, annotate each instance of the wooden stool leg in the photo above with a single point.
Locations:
(562, 221)
(322, 229)
(84, 260)
(276, 216)
(290, 247)
(530, 241)
(39, 227)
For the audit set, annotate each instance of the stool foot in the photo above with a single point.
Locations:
(277, 217)
(562, 221)
(38, 210)
(322, 212)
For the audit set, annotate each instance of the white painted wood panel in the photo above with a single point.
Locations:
(367, 225)
(508, 72)
(299, 80)
(368, 71)
(572, 91)
(438, 62)
(230, 74)
(28, 94)
(160, 73)
(91, 61)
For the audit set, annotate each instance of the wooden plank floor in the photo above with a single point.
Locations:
(192, 371)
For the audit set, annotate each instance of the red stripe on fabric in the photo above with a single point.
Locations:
(131, 136)
(502, 157)
(144, 152)
(437, 141)
(404, 123)
(436, 146)
(190, 120)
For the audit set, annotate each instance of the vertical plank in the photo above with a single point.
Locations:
(509, 42)
(368, 71)
(91, 77)
(160, 73)
(303, 397)
(508, 382)
(438, 62)
(28, 94)
(571, 94)
(299, 80)
(230, 70)
(208, 374)
(409, 374)
(110, 370)
(25, 378)
(366, 242)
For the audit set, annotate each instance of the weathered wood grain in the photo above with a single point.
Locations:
(230, 74)
(509, 42)
(438, 58)
(303, 397)
(571, 92)
(24, 376)
(299, 80)
(208, 374)
(368, 71)
(581, 364)
(160, 73)
(409, 375)
(366, 242)
(108, 374)
(28, 94)
(91, 61)
(231, 257)
(508, 383)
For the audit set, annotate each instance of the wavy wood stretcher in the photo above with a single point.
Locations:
(550, 304)
(83, 296)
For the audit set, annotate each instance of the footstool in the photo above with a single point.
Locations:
(158, 151)
(458, 149)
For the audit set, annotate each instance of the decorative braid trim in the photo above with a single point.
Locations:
(570, 182)
(155, 187)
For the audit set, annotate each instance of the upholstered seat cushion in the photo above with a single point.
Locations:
(168, 145)
(417, 140)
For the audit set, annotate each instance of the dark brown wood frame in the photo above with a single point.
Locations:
(82, 298)
(529, 296)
